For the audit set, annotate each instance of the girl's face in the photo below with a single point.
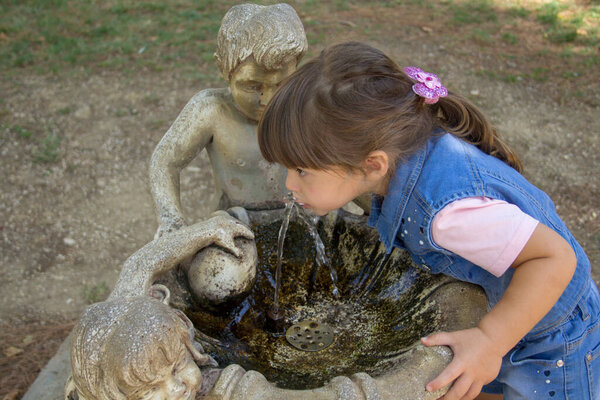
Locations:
(181, 383)
(326, 190)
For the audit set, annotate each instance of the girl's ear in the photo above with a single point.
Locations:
(377, 164)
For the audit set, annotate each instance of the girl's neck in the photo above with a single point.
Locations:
(380, 188)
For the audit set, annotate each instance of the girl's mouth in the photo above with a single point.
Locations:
(303, 205)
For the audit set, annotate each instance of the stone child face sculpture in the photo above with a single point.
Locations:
(138, 348)
(133, 345)
(257, 47)
(271, 38)
(252, 86)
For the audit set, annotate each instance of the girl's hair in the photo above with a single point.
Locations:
(353, 99)
(121, 347)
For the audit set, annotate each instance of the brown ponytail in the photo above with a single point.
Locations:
(457, 115)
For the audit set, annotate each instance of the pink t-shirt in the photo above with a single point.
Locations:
(489, 233)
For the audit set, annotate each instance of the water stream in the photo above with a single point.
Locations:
(321, 257)
(289, 207)
(320, 254)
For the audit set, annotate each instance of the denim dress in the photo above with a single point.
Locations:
(560, 357)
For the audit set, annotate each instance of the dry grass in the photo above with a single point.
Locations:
(25, 348)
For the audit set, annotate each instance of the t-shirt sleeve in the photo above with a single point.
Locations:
(488, 232)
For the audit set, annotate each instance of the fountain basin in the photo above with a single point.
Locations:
(386, 304)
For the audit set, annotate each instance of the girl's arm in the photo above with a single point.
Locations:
(543, 270)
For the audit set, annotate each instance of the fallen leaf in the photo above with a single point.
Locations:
(12, 351)
(348, 23)
(13, 395)
(27, 340)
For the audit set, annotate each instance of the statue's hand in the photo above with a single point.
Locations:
(223, 229)
(169, 225)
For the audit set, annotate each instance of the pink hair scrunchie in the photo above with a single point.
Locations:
(429, 86)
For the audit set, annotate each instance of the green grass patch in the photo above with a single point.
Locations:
(562, 34)
(570, 74)
(548, 13)
(473, 12)
(511, 78)
(540, 74)
(54, 35)
(342, 5)
(510, 38)
(66, 110)
(87, 36)
(48, 149)
(566, 22)
(21, 132)
(482, 36)
(517, 12)
(95, 293)
(488, 73)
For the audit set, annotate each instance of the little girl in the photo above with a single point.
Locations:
(448, 190)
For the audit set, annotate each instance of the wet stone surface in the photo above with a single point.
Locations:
(385, 306)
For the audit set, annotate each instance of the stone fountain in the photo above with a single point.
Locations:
(363, 343)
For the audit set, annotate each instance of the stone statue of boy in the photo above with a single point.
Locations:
(133, 345)
(257, 47)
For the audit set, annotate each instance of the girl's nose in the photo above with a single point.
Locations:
(290, 182)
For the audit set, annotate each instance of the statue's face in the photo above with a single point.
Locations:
(182, 383)
(252, 86)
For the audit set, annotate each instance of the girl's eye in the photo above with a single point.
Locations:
(300, 172)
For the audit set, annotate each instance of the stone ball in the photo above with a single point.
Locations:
(217, 277)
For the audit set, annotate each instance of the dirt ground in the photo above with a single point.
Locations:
(67, 227)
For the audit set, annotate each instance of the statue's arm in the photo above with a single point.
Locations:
(164, 253)
(187, 136)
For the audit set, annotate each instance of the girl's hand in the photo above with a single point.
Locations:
(476, 362)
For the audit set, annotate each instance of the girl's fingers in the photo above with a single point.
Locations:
(449, 374)
(474, 391)
(459, 389)
(436, 339)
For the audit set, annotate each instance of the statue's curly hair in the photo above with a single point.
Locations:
(272, 35)
(119, 347)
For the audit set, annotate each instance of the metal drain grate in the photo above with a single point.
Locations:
(309, 335)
